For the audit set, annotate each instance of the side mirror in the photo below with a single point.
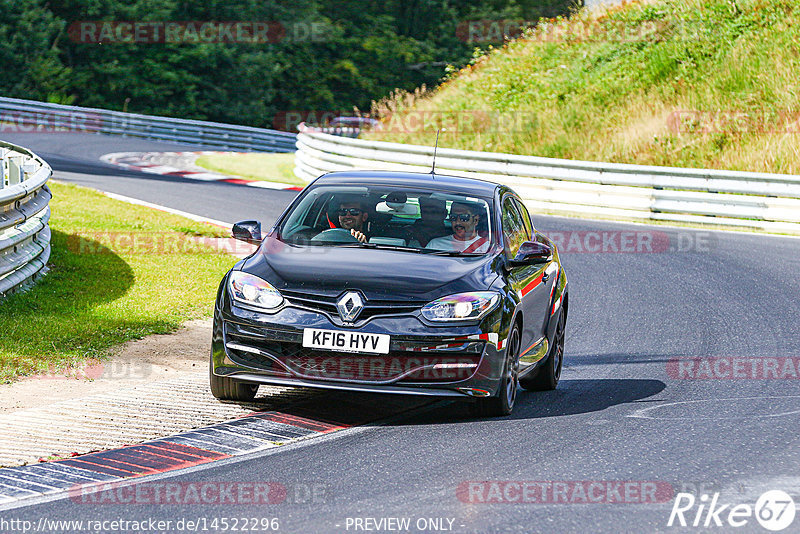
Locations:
(532, 252)
(247, 231)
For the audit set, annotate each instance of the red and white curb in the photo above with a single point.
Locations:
(317, 415)
(181, 164)
(224, 440)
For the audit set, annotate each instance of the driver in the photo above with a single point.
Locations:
(464, 218)
(353, 216)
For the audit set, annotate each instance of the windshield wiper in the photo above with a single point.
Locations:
(449, 253)
(381, 246)
(397, 247)
(405, 249)
(352, 245)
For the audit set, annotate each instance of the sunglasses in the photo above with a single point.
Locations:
(464, 217)
(350, 211)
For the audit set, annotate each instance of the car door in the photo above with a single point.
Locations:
(550, 277)
(525, 280)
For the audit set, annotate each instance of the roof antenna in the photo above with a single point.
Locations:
(433, 164)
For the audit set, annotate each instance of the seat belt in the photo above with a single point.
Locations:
(475, 245)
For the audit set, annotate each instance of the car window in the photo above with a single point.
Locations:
(526, 217)
(514, 232)
(417, 220)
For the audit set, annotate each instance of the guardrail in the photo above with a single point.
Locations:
(33, 116)
(24, 213)
(768, 202)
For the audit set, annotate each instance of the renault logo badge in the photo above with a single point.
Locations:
(349, 306)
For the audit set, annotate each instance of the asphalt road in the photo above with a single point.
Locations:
(622, 413)
(75, 159)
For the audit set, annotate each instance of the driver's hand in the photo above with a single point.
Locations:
(358, 235)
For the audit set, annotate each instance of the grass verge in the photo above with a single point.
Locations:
(253, 165)
(118, 272)
(690, 83)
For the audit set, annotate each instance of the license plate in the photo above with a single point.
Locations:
(344, 341)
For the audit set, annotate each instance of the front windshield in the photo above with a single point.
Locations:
(414, 220)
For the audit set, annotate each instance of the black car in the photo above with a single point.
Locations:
(394, 282)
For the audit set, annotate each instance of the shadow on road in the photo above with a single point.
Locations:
(338, 407)
(584, 396)
(573, 397)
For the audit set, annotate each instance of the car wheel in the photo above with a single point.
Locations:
(547, 377)
(224, 388)
(503, 403)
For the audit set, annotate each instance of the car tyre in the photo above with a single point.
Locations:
(546, 379)
(224, 388)
(503, 403)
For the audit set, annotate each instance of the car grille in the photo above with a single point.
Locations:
(327, 304)
(290, 358)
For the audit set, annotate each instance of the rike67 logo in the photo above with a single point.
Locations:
(774, 510)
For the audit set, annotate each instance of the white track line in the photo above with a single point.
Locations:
(158, 207)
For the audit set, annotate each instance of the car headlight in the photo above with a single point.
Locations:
(461, 307)
(253, 291)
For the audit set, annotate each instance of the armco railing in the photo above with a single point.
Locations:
(32, 116)
(24, 213)
(739, 199)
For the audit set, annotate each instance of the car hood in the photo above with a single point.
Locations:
(379, 274)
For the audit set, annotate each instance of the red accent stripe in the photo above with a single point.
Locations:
(557, 301)
(528, 288)
(552, 292)
(523, 353)
(329, 221)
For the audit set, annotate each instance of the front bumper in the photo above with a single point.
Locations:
(449, 361)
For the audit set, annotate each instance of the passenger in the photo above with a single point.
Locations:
(431, 221)
(465, 217)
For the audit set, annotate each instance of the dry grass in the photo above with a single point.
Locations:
(576, 89)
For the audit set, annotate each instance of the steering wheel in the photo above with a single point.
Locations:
(334, 235)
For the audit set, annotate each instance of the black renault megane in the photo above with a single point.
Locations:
(394, 282)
